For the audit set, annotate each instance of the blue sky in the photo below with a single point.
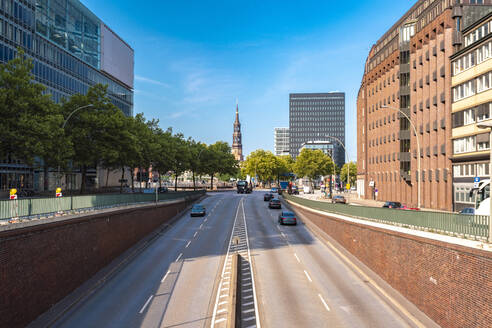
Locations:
(194, 58)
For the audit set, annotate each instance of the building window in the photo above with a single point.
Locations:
(464, 145)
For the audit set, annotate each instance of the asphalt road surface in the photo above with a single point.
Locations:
(300, 281)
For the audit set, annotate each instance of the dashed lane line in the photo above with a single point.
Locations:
(146, 303)
(165, 276)
(307, 275)
(179, 256)
(188, 244)
(324, 303)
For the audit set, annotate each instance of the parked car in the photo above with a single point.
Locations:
(295, 190)
(287, 217)
(339, 199)
(274, 190)
(392, 205)
(267, 197)
(162, 190)
(468, 211)
(405, 207)
(198, 210)
(275, 203)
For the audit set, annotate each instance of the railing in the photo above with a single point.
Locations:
(469, 226)
(37, 207)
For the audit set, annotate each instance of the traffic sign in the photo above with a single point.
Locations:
(13, 197)
(348, 186)
(476, 182)
(371, 183)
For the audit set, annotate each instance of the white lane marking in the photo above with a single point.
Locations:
(196, 233)
(307, 275)
(248, 319)
(247, 304)
(214, 321)
(324, 303)
(283, 235)
(201, 226)
(248, 290)
(165, 276)
(221, 311)
(205, 220)
(222, 303)
(146, 303)
(246, 297)
(248, 311)
(188, 244)
(179, 256)
(297, 258)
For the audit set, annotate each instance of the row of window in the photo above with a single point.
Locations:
(18, 12)
(475, 57)
(470, 144)
(318, 103)
(472, 87)
(432, 175)
(471, 170)
(462, 195)
(479, 33)
(472, 115)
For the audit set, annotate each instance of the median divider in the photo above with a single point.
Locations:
(234, 308)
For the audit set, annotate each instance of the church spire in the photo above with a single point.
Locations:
(237, 146)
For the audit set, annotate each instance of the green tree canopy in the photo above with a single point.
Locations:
(313, 164)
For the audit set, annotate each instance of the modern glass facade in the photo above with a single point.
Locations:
(64, 40)
(317, 116)
(281, 141)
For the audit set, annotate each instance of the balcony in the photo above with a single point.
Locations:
(406, 111)
(404, 68)
(405, 90)
(405, 176)
(404, 156)
(457, 38)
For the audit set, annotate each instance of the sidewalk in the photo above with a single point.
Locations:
(353, 199)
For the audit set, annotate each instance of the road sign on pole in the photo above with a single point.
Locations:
(476, 182)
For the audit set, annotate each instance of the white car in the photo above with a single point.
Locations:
(307, 190)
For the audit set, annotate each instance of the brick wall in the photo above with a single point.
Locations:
(40, 265)
(452, 284)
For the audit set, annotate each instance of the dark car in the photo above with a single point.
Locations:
(275, 203)
(267, 197)
(392, 205)
(162, 190)
(339, 199)
(468, 211)
(198, 210)
(287, 217)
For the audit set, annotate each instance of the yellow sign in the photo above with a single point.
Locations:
(58, 190)
(13, 191)
(347, 186)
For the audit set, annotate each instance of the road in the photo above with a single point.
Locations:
(175, 282)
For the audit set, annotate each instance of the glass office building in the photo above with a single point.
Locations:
(72, 50)
(317, 117)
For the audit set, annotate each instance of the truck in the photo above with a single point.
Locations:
(284, 185)
(243, 187)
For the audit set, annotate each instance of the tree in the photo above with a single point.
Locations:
(165, 154)
(313, 164)
(196, 162)
(87, 128)
(31, 122)
(353, 172)
(182, 157)
(218, 159)
(265, 165)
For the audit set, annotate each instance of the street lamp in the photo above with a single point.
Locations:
(63, 128)
(486, 125)
(418, 149)
(346, 154)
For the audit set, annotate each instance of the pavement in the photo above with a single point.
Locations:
(298, 280)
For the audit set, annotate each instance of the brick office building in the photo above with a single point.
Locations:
(408, 69)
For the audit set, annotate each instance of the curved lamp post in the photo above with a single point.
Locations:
(418, 149)
(63, 128)
(346, 154)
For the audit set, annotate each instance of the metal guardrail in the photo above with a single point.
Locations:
(38, 207)
(469, 226)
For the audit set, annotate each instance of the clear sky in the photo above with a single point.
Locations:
(194, 58)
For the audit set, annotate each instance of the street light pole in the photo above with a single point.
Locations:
(346, 154)
(63, 128)
(418, 149)
(486, 125)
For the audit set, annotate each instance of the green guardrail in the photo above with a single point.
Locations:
(470, 226)
(35, 207)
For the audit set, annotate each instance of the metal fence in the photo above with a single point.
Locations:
(37, 207)
(470, 226)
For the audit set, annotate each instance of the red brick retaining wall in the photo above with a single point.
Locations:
(450, 283)
(40, 265)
